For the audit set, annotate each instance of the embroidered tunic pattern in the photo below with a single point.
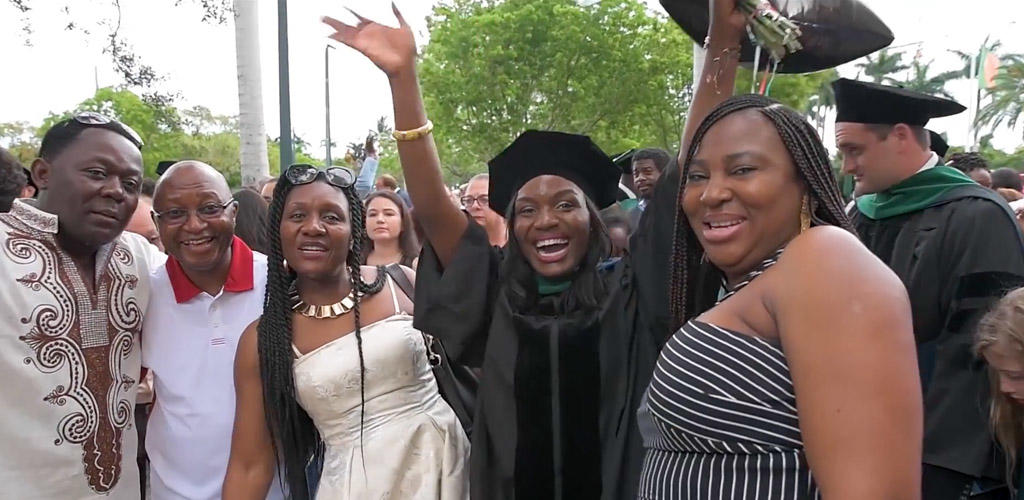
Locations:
(85, 342)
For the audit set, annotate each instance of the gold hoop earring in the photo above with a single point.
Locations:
(805, 214)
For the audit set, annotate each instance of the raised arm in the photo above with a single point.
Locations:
(251, 466)
(845, 325)
(393, 50)
(718, 76)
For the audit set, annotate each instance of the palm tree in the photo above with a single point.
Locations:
(252, 131)
(972, 63)
(931, 85)
(819, 105)
(1006, 104)
(881, 64)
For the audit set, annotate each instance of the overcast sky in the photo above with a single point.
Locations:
(61, 68)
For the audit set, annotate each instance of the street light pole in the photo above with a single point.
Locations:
(287, 154)
(327, 98)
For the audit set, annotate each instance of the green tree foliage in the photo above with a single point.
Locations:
(795, 91)
(1006, 97)
(169, 133)
(880, 65)
(919, 79)
(492, 69)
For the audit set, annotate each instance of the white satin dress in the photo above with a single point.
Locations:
(413, 446)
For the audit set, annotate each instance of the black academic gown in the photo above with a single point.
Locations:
(956, 258)
(556, 409)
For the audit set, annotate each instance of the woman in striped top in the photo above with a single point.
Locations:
(798, 379)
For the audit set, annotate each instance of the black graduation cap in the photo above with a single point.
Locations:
(866, 102)
(939, 145)
(535, 153)
(625, 161)
(164, 165)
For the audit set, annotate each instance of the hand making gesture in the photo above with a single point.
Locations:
(393, 50)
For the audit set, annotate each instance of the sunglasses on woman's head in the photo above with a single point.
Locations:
(302, 173)
(93, 118)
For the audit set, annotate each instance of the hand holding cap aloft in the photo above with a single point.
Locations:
(393, 50)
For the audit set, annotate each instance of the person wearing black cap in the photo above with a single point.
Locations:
(955, 246)
(564, 339)
(937, 144)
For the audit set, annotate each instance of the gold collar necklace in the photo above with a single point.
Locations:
(329, 311)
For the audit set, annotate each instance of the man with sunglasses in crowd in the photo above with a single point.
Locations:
(209, 290)
(73, 289)
(476, 202)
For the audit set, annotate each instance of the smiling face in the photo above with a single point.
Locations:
(552, 225)
(92, 186)
(383, 219)
(202, 242)
(742, 198)
(316, 230)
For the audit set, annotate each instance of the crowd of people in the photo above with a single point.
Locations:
(721, 323)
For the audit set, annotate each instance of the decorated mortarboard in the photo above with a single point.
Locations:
(625, 161)
(571, 156)
(866, 102)
(164, 165)
(939, 145)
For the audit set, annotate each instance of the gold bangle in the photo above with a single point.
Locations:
(412, 135)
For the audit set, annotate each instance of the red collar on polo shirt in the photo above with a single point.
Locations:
(239, 274)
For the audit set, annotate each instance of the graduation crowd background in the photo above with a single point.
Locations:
(728, 321)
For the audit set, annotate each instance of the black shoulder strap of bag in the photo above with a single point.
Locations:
(457, 384)
(402, 280)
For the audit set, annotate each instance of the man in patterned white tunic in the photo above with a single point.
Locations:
(73, 289)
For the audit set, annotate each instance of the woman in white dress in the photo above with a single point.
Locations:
(334, 360)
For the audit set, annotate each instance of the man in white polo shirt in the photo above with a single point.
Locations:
(202, 299)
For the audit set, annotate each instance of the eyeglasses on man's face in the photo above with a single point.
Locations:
(178, 216)
(468, 201)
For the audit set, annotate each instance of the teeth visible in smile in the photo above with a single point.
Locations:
(719, 225)
(552, 242)
(196, 242)
(312, 249)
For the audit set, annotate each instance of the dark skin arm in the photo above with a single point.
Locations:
(251, 467)
(393, 50)
(845, 325)
(726, 29)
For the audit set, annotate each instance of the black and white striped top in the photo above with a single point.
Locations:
(719, 421)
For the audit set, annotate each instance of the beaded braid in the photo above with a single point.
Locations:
(812, 165)
(353, 260)
(293, 435)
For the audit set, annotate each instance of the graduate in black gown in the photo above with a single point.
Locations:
(566, 338)
(955, 246)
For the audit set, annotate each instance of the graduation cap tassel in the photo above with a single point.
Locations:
(775, 71)
(764, 81)
(757, 64)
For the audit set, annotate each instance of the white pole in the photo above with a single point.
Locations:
(972, 107)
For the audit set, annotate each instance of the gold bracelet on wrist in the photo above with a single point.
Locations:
(414, 134)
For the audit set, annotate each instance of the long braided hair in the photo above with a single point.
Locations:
(695, 284)
(294, 437)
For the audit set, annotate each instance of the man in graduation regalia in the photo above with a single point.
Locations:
(956, 248)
